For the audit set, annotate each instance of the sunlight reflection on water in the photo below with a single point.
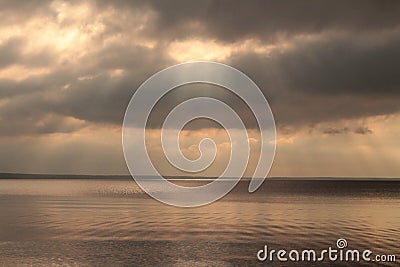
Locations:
(103, 222)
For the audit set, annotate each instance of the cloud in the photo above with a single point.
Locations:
(326, 68)
(229, 21)
(333, 131)
(9, 52)
(345, 130)
(363, 130)
(343, 65)
(320, 66)
(328, 77)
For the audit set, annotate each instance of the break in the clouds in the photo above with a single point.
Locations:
(328, 69)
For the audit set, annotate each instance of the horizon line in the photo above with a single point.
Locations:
(3, 175)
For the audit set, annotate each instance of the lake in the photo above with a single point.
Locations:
(67, 222)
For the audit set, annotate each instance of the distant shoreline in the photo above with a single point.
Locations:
(128, 177)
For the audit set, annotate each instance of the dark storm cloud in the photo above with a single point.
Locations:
(10, 88)
(315, 81)
(100, 99)
(232, 20)
(331, 65)
(85, 93)
(104, 98)
(349, 69)
(31, 114)
(335, 77)
(344, 65)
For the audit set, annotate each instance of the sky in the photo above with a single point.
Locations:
(330, 71)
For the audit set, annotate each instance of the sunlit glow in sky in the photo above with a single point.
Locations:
(68, 70)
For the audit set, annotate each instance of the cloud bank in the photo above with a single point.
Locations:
(67, 68)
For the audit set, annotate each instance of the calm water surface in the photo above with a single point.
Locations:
(113, 223)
